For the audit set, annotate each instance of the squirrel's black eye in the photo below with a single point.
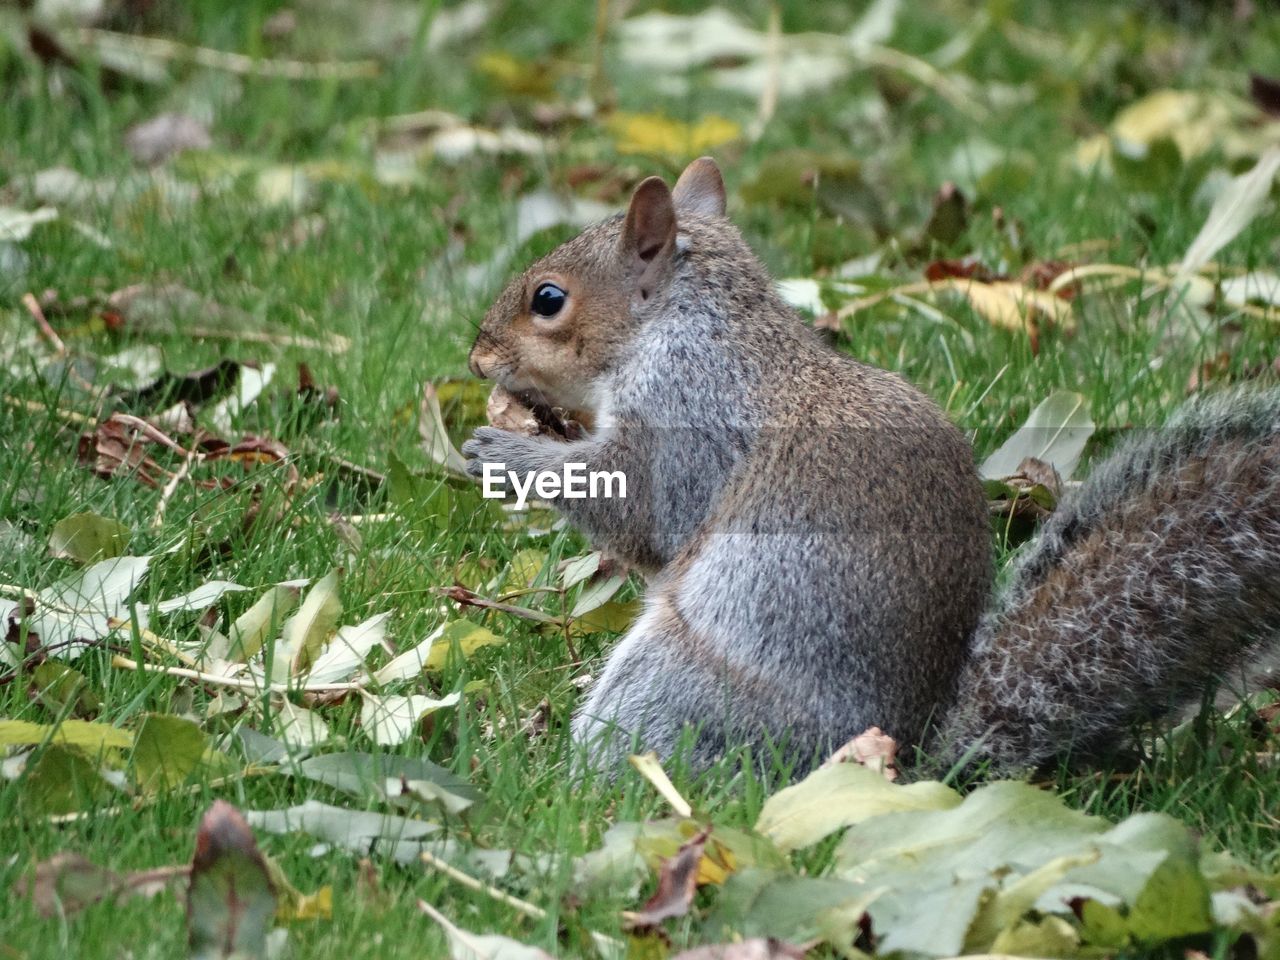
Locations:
(548, 300)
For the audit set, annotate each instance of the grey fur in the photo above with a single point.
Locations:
(1160, 574)
(818, 538)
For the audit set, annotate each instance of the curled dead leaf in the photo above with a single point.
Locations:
(677, 881)
(873, 748)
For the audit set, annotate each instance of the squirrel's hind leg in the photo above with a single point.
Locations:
(652, 689)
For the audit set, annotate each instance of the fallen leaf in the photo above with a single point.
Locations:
(88, 537)
(652, 133)
(384, 777)
(1239, 203)
(391, 720)
(346, 652)
(433, 652)
(230, 899)
(677, 881)
(832, 798)
(306, 632)
(873, 749)
(649, 767)
(299, 727)
(1055, 432)
(465, 945)
(252, 628)
(73, 613)
(66, 883)
(435, 439)
(16, 225)
(166, 751)
(92, 738)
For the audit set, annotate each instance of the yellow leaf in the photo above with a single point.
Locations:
(517, 76)
(525, 566)
(307, 906)
(649, 767)
(433, 652)
(91, 737)
(1013, 306)
(716, 864)
(652, 133)
(1198, 121)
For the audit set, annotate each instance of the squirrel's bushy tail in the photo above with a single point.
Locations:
(1160, 573)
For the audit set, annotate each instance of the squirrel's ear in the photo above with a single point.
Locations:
(700, 189)
(649, 232)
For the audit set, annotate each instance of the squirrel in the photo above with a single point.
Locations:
(815, 533)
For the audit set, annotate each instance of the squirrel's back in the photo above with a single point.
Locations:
(1160, 573)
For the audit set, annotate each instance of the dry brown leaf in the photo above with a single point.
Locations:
(873, 748)
(1014, 306)
(68, 882)
(677, 881)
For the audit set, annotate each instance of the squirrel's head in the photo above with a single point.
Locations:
(561, 325)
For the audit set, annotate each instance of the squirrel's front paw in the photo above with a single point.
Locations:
(491, 445)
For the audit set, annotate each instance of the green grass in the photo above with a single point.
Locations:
(385, 269)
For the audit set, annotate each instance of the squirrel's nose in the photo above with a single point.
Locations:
(474, 363)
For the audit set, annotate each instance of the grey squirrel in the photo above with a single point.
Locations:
(816, 535)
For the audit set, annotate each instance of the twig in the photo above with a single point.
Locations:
(907, 289)
(334, 341)
(530, 910)
(35, 406)
(162, 49)
(479, 886)
(950, 88)
(773, 76)
(153, 640)
(170, 488)
(33, 307)
(144, 799)
(249, 686)
(155, 435)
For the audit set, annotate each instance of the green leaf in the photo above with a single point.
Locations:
(433, 653)
(307, 631)
(230, 901)
(837, 796)
(92, 738)
(255, 625)
(770, 903)
(596, 594)
(930, 922)
(383, 777)
(62, 688)
(87, 537)
(420, 497)
(1055, 432)
(62, 780)
(166, 751)
(391, 720)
